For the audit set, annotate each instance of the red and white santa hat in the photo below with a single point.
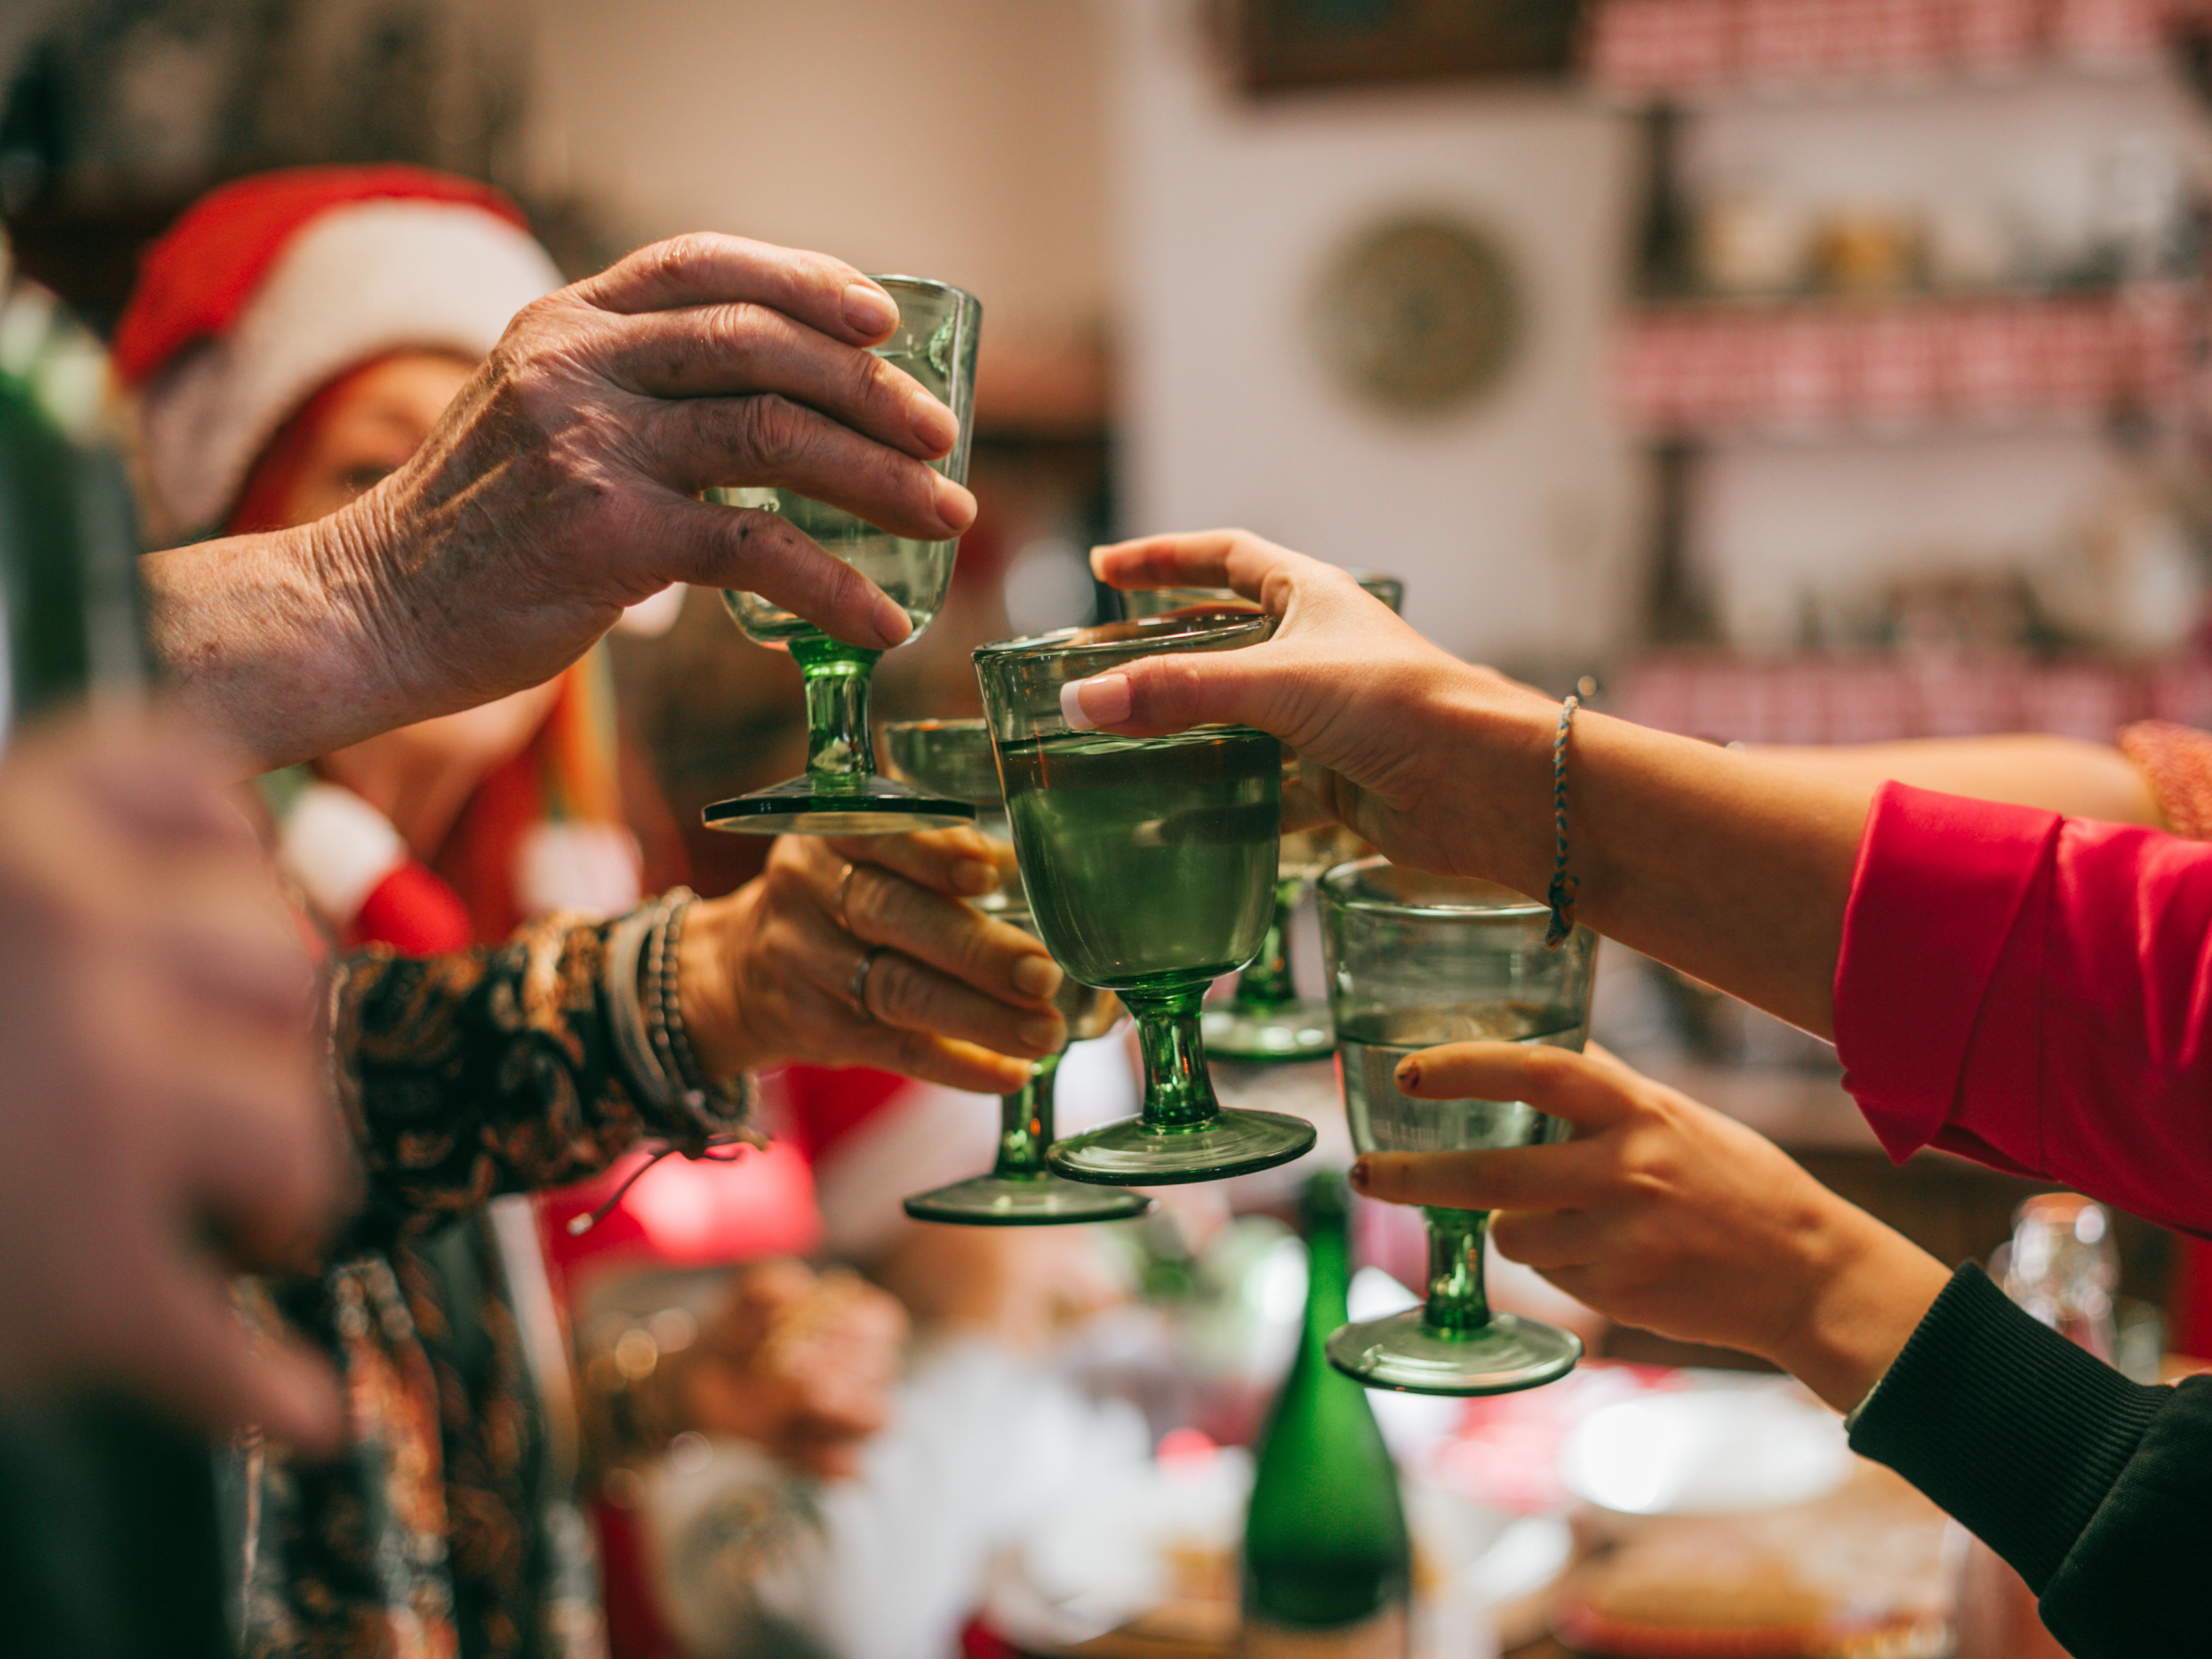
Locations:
(267, 289)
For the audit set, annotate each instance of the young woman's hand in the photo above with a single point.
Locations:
(775, 972)
(1665, 1214)
(1732, 869)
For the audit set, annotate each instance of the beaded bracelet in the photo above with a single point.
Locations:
(662, 984)
(1561, 897)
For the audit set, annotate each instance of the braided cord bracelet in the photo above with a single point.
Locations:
(1561, 897)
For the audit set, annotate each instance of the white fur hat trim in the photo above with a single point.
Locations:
(361, 280)
(337, 847)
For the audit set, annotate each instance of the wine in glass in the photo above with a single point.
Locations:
(953, 758)
(1149, 868)
(1415, 960)
(840, 793)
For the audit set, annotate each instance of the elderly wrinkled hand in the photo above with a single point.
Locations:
(801, 1363)
(860, 951)
(166, 1116)
(563, 484)
(1664, 1213)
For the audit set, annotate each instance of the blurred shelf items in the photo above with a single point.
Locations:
(1687, 50)
(1808, 367)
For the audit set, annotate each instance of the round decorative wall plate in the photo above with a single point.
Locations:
(1418, 315)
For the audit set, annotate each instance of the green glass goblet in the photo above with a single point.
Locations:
(1150, 867)
(840, 793)
(953, 758)
(1265, 1018)
(1415, 960)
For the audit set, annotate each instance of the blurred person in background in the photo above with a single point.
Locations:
(2017, 987)
(295, 339)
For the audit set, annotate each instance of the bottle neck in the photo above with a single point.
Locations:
(1329, 1277)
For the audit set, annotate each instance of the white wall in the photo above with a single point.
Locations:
(954, 138)
(1515, 522)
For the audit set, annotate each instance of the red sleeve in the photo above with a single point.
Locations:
(2035, 992)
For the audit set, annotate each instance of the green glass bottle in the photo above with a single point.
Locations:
(1328, 1568)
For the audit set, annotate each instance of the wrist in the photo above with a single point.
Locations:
(707, 989)
(1506, 730)
(1867, 1288)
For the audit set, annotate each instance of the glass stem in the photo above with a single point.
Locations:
(1178, 1093)
(1025, 1123)
(1458, 1303)
(1268, 980)
(838, 743)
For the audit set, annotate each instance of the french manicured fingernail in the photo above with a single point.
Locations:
(973, 876)
(1047, 1032)
(1359, 1173)
(869, 309)
(1102, 700)
(892, 625)
(955, 504)
(1037, 977)
(932, 423)
(1409, 1073)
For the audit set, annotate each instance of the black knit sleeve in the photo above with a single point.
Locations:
(2096, 1489)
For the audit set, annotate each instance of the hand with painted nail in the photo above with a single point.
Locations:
(1365, 701)
(1733, 869)
(561, 484)
(861, 953)
(1665, 1214)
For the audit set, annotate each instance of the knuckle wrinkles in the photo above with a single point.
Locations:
(774, 430)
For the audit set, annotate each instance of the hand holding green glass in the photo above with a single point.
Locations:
(841, 793)
(1149, 868)
(953, 758)
(1415, 960)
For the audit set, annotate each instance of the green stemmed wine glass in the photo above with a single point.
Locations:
(954, 758)
(1415, 960)
(840, 793)
(1265, 1018)
(1150, 867)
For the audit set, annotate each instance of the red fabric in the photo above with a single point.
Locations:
(414, 912)
(198, 276)
(823, 1104)
(689, 1214)
(2035, 992)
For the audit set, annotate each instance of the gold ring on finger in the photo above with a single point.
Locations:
(844, 889)
(856, 988)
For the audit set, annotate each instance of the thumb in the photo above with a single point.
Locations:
(1155, 696)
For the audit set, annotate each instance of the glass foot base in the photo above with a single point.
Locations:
(1131, 1154)
(1402, 1352)
(1295, 1030)
(811, 806)
(1038, 1201)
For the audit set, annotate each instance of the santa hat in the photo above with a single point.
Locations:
(269, 288)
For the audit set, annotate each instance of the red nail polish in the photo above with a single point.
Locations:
(1409, 1074)
(1359, 1176)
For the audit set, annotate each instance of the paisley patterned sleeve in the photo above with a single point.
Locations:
(493, 1071)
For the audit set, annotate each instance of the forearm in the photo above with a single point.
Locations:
(269, 642)
(1732, 868)
(2059, 774)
